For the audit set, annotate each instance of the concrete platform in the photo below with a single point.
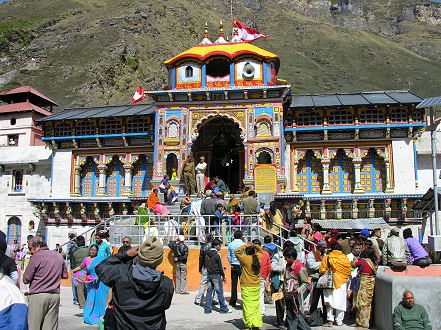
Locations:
(183, 314)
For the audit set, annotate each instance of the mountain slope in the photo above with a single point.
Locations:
(96, 52)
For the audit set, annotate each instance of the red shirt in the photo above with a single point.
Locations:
(265, 267)
(366, 268)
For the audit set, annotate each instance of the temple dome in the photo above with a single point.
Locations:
(230, 50)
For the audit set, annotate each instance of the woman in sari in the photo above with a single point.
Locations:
(273, 220)
(250, 283)
(154, 204)
(95, 306)
(169, 192)
(363, 298)
(335, 299)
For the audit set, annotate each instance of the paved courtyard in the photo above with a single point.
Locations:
(183, 314)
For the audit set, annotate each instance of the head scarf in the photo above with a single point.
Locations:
(152, 200)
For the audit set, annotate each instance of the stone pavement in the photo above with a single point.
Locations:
(183, 314)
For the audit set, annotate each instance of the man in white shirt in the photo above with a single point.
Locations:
(200, 175)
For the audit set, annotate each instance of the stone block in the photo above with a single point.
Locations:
(389, 288)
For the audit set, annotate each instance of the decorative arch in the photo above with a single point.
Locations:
(172, 165)
(264, 156)
(200, 118)
(172, 128)
(14, 230)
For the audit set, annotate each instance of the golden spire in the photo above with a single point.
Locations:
(205, 40)
(221, 29)
(206, 30)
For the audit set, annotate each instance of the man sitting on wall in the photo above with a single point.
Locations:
(408, 315)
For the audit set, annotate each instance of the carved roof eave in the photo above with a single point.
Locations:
(217, 89)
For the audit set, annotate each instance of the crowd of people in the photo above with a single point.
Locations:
(125, 291)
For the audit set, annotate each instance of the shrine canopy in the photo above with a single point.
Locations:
(223, 64)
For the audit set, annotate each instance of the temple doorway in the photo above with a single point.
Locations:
(220, 143)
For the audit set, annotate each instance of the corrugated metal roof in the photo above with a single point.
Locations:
(354, 224)
(102, 112)
(365, 98)
(325, 100)
(430, 102)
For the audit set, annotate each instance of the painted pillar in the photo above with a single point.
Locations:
(389, 188)
(295, 187)
(326, 187)
(77, 182)
(357, 172)
(127, 191)
(102, 168)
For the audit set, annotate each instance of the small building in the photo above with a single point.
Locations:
(25, 163)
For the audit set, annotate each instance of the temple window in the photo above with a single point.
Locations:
(142, 174)
(188, 72)
(398, 116)
(85, 128)
(341, 173)
(17, 184)
(372, 116)
(218, 67)
(111, 126)
(138, 125)
(310, 119)
(341, 117)
(263, 128)
(373, 173)
(172, 129)
(47, 130)
(309, 174)
(63, 129)
(115, 178)
(90, 179)
(418, 115)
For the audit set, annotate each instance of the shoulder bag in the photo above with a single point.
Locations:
(326, 281)
(355, 283)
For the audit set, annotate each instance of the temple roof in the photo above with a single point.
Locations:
(365, 98)
(230, 50)
(113, 111)
(22, 107)
(35, 96)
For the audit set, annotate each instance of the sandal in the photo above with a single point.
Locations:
(328, 325)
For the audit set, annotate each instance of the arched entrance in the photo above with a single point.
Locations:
(14, 230)
(220, 143)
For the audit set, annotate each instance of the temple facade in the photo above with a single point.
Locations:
(348, 160)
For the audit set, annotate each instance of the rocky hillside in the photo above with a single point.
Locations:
(95, 52)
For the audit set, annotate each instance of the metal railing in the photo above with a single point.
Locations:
(194, 229)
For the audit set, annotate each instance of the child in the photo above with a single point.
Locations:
(219, 218)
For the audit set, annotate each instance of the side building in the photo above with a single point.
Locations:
(352, 158)
(25, 163)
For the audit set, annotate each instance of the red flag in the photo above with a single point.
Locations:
(248, 34)
(139, 95)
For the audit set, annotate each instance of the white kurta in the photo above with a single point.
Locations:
(336, 298)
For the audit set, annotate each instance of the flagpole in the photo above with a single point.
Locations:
(231, 14)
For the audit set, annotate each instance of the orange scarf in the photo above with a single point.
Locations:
(152, 201)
